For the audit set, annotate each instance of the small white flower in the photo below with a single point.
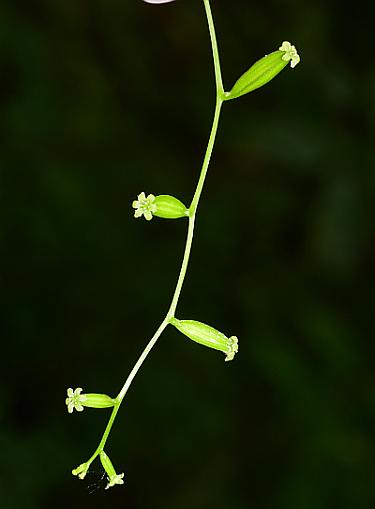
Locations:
(114, 479)
(144, 206)
(233, 349)
(290, 53)
(75, 400)
(158, 1)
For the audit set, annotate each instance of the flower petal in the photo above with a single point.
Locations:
(286, 46)
(116, 479)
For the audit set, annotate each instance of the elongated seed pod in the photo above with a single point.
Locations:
(263, 71)
(207, 336)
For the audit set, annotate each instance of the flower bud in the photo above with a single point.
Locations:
(113, 478)
(81, 471)
(264, 70)
(169, 207)
(207, 336)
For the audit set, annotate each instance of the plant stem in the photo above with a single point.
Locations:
(141, 359)
(215, 51)
(207, 158)
(190, 234)
(184, 265)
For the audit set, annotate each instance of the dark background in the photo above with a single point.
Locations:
(103, 99)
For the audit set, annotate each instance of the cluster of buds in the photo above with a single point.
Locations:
(112, 477)
(76, 400)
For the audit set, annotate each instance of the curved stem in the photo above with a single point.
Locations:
(207, 158)
(141, 360)
(185, 262)
(125, 388)
(189, 240)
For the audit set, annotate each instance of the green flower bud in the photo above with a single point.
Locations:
(169, 207)
(113, 478)
(207, 336)
(81, 471)
(78, 401)
(264, 70)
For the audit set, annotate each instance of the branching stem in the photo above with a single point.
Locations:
(190, 234)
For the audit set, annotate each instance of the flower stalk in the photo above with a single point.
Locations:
(168, 207)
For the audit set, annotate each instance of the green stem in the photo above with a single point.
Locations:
(189, 240)
(207, 158)
(184, 265)
(106, 433)
(215, 50)
(141, 360)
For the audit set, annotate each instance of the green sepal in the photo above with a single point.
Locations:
(98, 401)
(113, 478)
(169, 207)
(263, 71)
(207, 336)
(107, 464)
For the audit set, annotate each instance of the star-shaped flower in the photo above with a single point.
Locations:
(75, 400)
(114, 479)
(144, 206)
(233, 348)
(290, 53)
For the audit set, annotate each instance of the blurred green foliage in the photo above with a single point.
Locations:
(103, 99)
